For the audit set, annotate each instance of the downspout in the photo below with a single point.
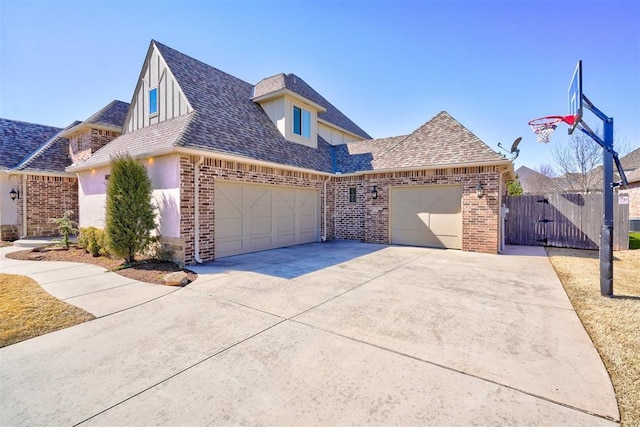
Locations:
(324, 216)
(196, 210)
(24, 206)
(502, 215)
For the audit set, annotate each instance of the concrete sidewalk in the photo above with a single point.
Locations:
(90, 287)
(323, 334)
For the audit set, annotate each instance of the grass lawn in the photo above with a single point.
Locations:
(634, 240)
(27, 311)
(612, 323)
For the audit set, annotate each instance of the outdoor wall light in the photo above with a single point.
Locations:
(14, 194)
(479, 190)
(374, 192)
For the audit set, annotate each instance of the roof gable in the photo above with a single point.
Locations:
(19, 139)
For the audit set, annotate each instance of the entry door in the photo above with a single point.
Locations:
(427, 216)
(250, 217)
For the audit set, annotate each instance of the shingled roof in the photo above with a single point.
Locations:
(297, 85)
(51, 156)
(441, 141)
(111, 116)
(225, 120)
(19, 139)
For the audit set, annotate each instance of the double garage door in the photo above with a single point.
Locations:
(427, 216)
(250, 217)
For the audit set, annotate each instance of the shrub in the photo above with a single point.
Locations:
(66, 227)
(94, 241)
(130, 215)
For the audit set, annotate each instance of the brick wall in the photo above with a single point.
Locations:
(88, 141)
(634, 199)
(368, 219)
(47, 197)
(215, 169)
(365, 220)
(9, 233)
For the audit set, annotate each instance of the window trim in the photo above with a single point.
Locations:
(304, 125)
(353, 194)
(154, 113)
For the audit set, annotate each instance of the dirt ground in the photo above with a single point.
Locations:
(150, 271)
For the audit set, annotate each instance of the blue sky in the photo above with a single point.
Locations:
(388, 65)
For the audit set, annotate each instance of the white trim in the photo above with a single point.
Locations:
(356, 136)
(284, 91)
(41, 173)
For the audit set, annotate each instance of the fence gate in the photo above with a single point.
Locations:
(563, 220)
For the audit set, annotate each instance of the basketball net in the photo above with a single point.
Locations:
(544, 126)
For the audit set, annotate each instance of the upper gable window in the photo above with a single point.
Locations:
(153, 101)
(301, 122)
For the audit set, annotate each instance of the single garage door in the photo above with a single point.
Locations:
(250, 217)
(427, 216)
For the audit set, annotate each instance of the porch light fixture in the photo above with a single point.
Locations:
(479, 190)
(14, 194)
(374, 192)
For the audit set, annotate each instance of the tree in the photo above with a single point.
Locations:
(514, 188)
(66, 227)
(130, 215)
(576, 161)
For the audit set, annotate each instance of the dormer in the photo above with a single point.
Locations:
(295, 115)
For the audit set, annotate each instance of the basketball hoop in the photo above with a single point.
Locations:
(544, 126)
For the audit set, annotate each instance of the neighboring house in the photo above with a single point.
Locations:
(533, 182)
(34, 162)
(239, 168)
(631, 165)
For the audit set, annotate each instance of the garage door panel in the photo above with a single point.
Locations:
(250, 217)
(427, 216)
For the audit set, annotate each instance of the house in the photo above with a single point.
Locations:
(533, 182)
(237, 168)
(631, 166)
(33, 175)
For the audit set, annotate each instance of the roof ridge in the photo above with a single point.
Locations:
(30, 123)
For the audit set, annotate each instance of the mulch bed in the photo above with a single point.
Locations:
(150, 271)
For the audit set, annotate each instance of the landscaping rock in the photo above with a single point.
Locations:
(178, 278)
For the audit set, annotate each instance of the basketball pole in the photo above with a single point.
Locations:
(606, 235)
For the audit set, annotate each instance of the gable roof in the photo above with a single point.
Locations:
(111, 117)
(226, 121)
(440, 142)
(51, 156)
(631, 161)
(19, 139)
(533, 182)
(296, 85)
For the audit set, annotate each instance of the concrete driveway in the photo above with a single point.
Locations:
(325, 334)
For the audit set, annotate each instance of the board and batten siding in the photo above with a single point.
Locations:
(171, 100)
(334, 136)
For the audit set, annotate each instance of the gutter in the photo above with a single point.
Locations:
(196, 210)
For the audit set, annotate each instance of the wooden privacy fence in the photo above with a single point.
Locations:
(564, 220)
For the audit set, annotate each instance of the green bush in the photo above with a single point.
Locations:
(66, 227)
(130, 215)
(93, 241)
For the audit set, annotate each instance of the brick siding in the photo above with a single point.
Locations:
(365, 220)
(215, 169)
(634, 199)
(47, 197)
(368, 219)
(87, 141)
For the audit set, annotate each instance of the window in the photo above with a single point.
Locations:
(153, 101)
(301, 122)
(352, 194)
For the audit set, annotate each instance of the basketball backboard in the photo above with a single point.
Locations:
(575, 97)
